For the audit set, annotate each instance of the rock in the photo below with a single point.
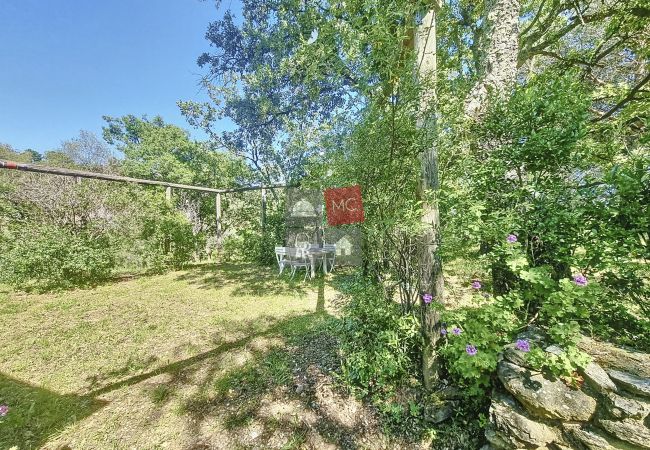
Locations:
(597, 378)
(628, 430)
(594, 439)
(623, 407)
(510, 427)
(610, 356)
(449, 393)
(543, 397)
(554, 350)
(441, 413)
(515, 356)
(631, 383)
(532, 334)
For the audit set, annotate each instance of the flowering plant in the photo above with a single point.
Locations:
(471, 347)
(4, 410)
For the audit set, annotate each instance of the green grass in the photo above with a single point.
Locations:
(145, 363)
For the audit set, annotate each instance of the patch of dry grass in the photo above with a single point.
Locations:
(123, 365)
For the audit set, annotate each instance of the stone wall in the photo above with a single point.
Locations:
(611, 409)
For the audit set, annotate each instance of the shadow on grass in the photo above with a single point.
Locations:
(250, 279)
(278, 328)
(35, 413)
(274, 400)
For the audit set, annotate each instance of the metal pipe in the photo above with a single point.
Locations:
(102, 176)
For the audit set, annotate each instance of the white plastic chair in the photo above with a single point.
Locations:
(296, 259)
(281, 257)
(330, 256)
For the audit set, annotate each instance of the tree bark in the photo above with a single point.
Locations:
(430, 276)
(499, 57)
(499, 73)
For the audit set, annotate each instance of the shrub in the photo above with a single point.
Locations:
(47, 256)
(563, 308)
(380, 349)
(168, 241)
(255, 245)
(380, 345)
(485, 329)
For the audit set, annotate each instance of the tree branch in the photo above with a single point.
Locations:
(630, 95)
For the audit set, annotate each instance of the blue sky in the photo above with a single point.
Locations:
(65, 63)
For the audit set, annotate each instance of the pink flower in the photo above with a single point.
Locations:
(4, 409)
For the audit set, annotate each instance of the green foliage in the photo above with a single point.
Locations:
(168, 241)
(47, 257)
(488, 326)
(252, 246)
(557, 306)
(250, 242)
(380, 345)
(576, 198)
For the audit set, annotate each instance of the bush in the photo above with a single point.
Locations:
(486, 329)
(48, 256)
(168, 241)
(255, 245)
(380, 348)
(380, 345)
(563, 308)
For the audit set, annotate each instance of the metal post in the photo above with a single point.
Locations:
(263, 209)
(168, 194)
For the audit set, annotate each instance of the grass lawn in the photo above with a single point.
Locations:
(209, 357)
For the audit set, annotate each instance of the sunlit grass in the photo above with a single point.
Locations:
(77, 366)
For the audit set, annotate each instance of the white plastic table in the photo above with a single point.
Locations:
(313, 253)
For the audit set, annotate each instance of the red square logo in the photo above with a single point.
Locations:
(344, 205)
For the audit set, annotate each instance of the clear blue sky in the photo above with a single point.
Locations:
(65, 63)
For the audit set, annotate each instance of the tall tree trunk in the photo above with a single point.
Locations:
(498, 74)
(499, 56)
(431, 280)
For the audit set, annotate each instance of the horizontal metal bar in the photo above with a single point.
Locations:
(99, 176)
(102, 176)
(257, 188)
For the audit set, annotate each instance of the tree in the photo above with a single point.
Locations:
(497, 59)
(279, 111)
(87, 150)
(430, 265)
(156, 150)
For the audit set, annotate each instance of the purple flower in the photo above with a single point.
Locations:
(4, 409)
(427, 298)
(511, 238)
(580, 280)
(456, 331)
(522, 345)
(471, 350)
(476, 284)
(443, 332)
